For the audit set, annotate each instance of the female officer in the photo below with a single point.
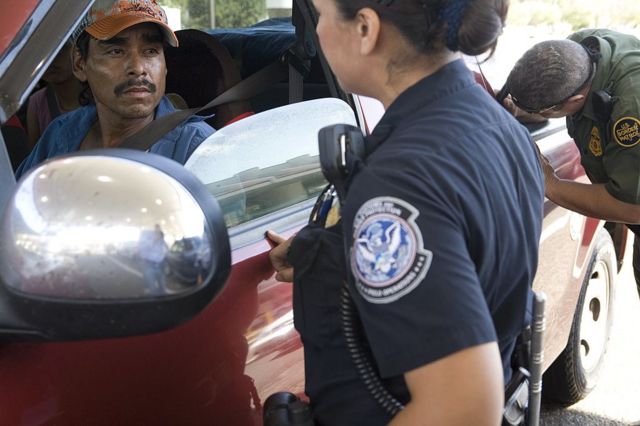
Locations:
(441, 223)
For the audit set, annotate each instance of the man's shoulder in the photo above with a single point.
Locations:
(616, 40)
(182, 141)
(193, 133)
(199, 126)
(70, 123)
(193, 127)
(580, 35)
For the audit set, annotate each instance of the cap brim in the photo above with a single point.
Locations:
(109, 27)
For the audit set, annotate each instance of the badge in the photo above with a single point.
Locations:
(388, 257)
(626, 131)
(595, 145)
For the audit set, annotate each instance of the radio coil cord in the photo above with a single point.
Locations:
(342, 152)
(361, 357)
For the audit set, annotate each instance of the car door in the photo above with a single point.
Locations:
(217, 368)
(566, 240)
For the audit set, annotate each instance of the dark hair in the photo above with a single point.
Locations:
(82, 45)
(548, 73)
(470, 26)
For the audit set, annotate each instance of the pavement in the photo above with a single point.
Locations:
(616, 398)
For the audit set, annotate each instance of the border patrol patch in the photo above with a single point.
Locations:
(595, 143)
(388, 257)
(626, 131)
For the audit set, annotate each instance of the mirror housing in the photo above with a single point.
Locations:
(108, 243)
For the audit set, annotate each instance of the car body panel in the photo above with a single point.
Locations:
(12, 19)
(216, 368)
(220, 367)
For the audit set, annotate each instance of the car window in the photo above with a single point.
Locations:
(205, 15)
(268, 162)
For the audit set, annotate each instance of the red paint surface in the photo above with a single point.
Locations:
(196, 374)
(14, 14)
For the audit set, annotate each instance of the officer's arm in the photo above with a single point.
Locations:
(461, 389)
(591, 200)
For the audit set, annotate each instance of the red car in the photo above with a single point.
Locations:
(84, 341)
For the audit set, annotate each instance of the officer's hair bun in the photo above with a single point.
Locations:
(481, 25)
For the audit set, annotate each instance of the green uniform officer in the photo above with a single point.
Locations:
(593, 79)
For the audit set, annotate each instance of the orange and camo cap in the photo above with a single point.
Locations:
(107, 18)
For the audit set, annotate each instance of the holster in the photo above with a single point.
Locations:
(286, 409)
(516, 399)
(516, 394)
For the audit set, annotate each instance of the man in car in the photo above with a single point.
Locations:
(589, 78)
(119, 55)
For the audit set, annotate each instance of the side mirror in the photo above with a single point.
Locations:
(108, 243)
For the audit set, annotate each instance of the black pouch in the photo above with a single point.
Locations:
(317, 257)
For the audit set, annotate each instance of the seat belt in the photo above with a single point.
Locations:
(52, 102)
(245, 89)
(300, 58)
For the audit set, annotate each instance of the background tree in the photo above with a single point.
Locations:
(239, 13)
(575, 14)
(561, 15)
(229, 13)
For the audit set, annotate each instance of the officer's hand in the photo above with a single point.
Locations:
(509, 105)
(521, 115)
(278, 257)
(550, 177)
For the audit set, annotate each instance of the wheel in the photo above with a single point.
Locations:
(575, 372)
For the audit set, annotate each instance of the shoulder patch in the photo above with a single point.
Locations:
(388, 257)
(626, 131)
(595, 143)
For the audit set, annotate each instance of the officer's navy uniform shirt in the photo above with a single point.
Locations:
(65, 134)
(443, 223)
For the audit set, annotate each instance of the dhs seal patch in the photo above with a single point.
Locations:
(388, 257)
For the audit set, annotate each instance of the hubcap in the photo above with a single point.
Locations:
(595, 316)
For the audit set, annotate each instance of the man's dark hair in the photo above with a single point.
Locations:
(470, 26)
(549, 73)
(82, 44)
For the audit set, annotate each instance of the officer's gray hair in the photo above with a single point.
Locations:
(549, 73)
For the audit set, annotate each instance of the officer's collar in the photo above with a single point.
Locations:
(450, 78)
(599, 81)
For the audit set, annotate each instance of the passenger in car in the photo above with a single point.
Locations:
(119, 55)
(591, 79)
(441, 223)
(60, 94)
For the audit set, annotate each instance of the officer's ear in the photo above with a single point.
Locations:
(368, 29)
(576, 102)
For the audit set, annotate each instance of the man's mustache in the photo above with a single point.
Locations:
(120, 88)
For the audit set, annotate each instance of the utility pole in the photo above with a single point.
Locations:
(212, 13)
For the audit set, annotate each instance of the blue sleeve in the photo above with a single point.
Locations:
(43, 150)
(428, 292)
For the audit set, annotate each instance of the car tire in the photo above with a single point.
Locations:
(575, 372)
